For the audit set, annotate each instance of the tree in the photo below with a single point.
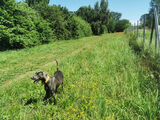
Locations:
(116, 16)
(85, 13)
(2, 2)
(96, 6)
(104, 6)
(122, 25)
(64, 24)
(32, 3)
(148, 21)
(154, 3)
(22, 26)
(113, 20)
(98, 17)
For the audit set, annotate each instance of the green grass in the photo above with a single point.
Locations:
(147, 46)
(103, 79)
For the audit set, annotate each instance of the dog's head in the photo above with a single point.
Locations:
(39, 76)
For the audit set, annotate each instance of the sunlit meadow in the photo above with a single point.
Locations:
(103, 79)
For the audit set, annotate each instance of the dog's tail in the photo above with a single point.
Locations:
(57, 65)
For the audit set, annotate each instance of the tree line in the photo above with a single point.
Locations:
(35, 22)
(102, 19)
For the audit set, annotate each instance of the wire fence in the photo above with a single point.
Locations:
(147, 36)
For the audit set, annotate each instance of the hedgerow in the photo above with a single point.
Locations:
(65, 24)
(79, 28)
(22, 27)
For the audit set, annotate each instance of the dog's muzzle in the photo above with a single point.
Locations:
(35, 80)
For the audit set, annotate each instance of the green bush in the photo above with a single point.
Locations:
(121, 25)
(111, 25)
(98, 28)
(23, 27)
(64, 24)
(57, 17)
(80, 28)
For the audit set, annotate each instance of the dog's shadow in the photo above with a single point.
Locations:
(30, 101)
(33, 100)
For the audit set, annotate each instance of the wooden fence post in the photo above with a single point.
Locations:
(134, 28)
(137, 29)
(152, 30)
(144, 27)
(157, 30)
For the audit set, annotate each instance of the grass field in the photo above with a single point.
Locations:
(103, 79)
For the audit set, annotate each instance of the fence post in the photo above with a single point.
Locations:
(134, 28)
(144, 27)
(137, 30)
(156, 26)
(152, 30)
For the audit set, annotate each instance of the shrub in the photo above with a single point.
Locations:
(57, 17)
(121, 25)
(80, 28)
(64, 24)
(23, 27)
(111, 25)
(98, 28)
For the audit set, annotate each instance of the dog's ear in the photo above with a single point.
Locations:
(39, 72)
(44, 74)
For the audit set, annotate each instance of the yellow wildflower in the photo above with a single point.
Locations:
(108, 101)
(82, 112)
(74, 109)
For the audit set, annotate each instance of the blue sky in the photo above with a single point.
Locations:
(130, 9)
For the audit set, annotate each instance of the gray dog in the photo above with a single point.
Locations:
(50, 83)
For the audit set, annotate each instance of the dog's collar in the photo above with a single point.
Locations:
(47, 79)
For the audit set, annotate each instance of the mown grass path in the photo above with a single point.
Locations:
(35, 61)
(103, 79)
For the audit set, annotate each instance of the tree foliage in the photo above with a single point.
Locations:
(34, 3)
(154, 3)
(122, 25)
(63, 22)
(149, 16)
(148, 20)
(116, 16)
(34, 22)
(98, 16)
(22, 27)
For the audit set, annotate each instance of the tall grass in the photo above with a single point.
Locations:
(150, 47)
(103, 79)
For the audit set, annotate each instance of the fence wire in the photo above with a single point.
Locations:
(146, 36)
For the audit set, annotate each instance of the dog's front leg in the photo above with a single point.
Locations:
(54, 96)
(47, 93)
(62, 87)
